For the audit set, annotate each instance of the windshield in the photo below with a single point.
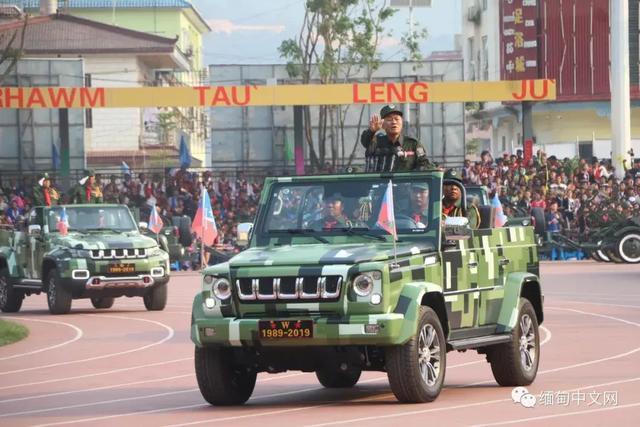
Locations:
(349, 207)
(93, 218)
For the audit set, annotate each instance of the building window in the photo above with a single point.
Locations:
(504, 143)
(88, 112)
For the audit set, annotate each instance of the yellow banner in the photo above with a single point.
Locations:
(254, 96)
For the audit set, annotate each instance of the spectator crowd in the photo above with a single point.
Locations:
(578, 195)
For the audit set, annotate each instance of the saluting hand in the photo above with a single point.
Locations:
(375, 123)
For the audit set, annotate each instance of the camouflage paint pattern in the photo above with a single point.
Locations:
(473, 278)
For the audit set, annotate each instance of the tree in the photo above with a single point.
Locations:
(10, 53)
(337, 38)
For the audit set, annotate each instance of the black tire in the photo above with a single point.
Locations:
(595, 255)
(512, 365)
(10, 299)
(612, 254)
(221, 382)
(184, 230)
(58, 298)
(334, 377)
(629, 248)
(104, 302)
(413, 380)
(156, 298)
(540, 220)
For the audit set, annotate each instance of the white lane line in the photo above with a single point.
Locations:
(78, 335)
(103, 402)
(170, 334)
(603, 304)
(446, 408)
(114, 371)
(564, 414)
(546, 340)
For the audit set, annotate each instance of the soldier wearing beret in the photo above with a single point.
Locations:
(87, 190)
(452, 200)
(43, 193)
(391, 150)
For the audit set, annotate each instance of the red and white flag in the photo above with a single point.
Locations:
(204, 224)
(63, 222)
(155, 222)
(386, 216)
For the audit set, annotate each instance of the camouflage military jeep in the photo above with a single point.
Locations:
(103, 256)
(322, 289)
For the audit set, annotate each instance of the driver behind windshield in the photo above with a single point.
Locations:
(419, 209)
(452, 200)
(332, 214)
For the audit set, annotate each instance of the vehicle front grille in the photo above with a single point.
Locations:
(289, 288)
(118, 253)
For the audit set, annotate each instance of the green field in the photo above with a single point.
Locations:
(11, 332)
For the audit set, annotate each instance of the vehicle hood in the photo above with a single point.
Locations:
(322, 254)
(109, 240)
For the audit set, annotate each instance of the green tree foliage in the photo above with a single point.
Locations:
(338, 38)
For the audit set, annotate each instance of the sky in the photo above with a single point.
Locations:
(250, 31)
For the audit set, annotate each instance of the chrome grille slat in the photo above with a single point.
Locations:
(120, 253)
(279, 288)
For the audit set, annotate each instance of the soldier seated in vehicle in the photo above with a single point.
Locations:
(333, 215)
(418, 209)
(452, 200)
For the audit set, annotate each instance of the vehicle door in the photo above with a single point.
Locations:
(36, 246)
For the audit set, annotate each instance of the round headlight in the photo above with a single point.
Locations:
(208, 280)
(221, 288)
(363, 285)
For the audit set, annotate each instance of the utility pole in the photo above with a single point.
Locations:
(620, 99)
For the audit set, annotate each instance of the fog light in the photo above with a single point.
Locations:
(209, 332)
(157, 272)
(210, 302)
(376, 299)
(371, 329)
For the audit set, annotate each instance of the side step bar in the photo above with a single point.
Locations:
(476, 342)
(32, 284)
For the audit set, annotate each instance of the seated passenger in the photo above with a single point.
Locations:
(452, 201)
(332, 214)
(418, 211)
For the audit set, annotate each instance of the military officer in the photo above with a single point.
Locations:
(43, 193)
(87, 190)
(332, 214)
(391, 151)
(452, 201)
(418, 210)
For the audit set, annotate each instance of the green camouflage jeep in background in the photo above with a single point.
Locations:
(322, 289)
(101, 257)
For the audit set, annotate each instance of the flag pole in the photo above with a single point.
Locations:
(203, 223)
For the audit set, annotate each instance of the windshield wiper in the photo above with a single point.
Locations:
(360, 231)
(303, 231)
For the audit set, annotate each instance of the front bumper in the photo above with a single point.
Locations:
(213, 329)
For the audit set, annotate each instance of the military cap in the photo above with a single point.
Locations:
(333, 197)
(452, 174)
(389, 109)
(419, 186)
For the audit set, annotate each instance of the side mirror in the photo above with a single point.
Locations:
(143, 225)
(244, 233)
(457, 228)
(35, 230)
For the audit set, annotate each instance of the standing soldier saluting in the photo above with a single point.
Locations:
(391, 151)
(87, 190)
(43, 193)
